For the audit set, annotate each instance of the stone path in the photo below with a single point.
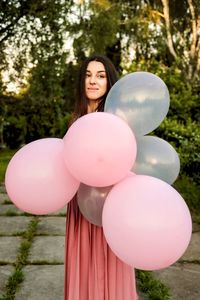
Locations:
(44, 271)
(183, 278)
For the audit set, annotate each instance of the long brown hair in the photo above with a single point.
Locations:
(81, 99)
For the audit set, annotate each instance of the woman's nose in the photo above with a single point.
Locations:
(92, 80)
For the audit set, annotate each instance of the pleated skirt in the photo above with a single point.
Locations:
(92, 271)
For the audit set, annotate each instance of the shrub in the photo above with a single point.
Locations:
(186, 139)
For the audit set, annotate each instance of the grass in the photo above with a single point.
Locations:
(46, 262)
(5, 156)
(14, 280)
(17, 276)
(7, 202)
(190, 191)
(197, 218)
(11, 213)
(152, 288)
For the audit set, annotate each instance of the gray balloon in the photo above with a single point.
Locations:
(141, 99)
(91, 201)
(157, 158)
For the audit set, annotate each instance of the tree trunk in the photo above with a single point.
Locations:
(168, 28)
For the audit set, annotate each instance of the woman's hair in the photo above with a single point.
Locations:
(81, 99)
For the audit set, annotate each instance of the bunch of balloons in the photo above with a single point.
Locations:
(142, 100)
(121, 176)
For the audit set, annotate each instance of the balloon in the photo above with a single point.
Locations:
(37, 180)
(100, 149)
(146, 222)
(141, 99)
(157, 158)
(90, 201)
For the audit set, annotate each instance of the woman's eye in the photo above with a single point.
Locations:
(101, 76)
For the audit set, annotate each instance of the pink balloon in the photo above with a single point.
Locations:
(146, 222)
(37, 180)
(100, 149)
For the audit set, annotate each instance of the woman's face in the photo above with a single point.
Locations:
(95, 80)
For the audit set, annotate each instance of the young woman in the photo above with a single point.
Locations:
(92, 271)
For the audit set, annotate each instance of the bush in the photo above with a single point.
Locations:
(14, 131)
(184, 97)
(190, 191)
(186, 139)
(26, 120)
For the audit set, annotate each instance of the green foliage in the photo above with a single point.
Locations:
(181, 126)
(196, 219)
(184, 96)
(33, 27)
(151, 287)
(44, 110)
(39, 29)
(30, 120)
(14, 131)
(49, 101)
(186, 139)
(14, 280)
(95, 29)
(190, 191)
(17, 276)
(5, 156)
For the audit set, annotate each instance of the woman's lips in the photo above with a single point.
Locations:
(92, 90)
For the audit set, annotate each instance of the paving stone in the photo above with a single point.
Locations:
(182, 280)
(13, 225)
(5, 272)
(61, 211)
(141, 295)
(52, 226)
(195, 227)
(193, 251)
(2, 188)
(47, 249)
(8, 248)
(42, 283)
(3, 197)
(46, 281)
(10, 209)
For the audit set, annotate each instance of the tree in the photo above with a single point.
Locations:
(159, 36)
(168, 31)
(163, 30)
(181, 26)
(33, 28)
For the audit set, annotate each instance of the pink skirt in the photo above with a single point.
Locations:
(92, 271)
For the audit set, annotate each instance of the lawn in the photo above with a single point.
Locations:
(5, 156)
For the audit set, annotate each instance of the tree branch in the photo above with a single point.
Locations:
(194, 29)
(198, 55)
(8, 29)
(168, 27)
(23, 11)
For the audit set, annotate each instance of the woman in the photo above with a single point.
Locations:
(92, 271)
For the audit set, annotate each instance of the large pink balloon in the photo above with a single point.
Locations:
(100, 149)
(37, 180)
(146, 222)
